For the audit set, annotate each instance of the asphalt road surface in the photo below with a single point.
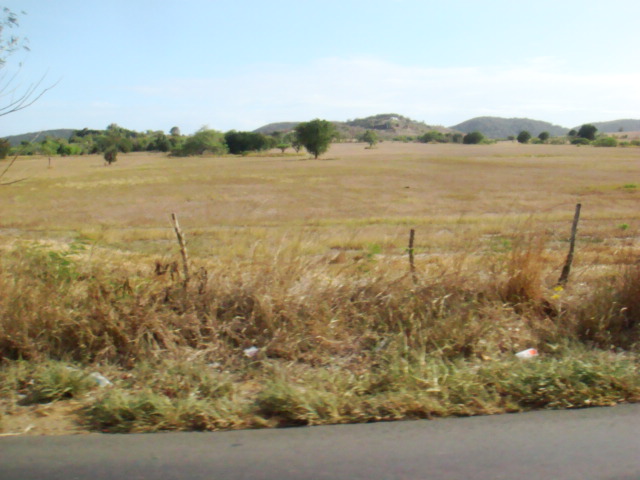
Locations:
(591, 444)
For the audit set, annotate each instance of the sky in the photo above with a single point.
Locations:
(241, 64)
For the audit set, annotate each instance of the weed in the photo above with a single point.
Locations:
(54, 381)
(119, 412)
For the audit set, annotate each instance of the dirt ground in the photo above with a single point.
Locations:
(58, 418)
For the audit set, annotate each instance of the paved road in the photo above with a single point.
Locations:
(592, 444)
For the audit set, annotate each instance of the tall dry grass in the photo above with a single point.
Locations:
(62, 304)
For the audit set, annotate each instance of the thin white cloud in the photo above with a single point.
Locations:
(341, 88)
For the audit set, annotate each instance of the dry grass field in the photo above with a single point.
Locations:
(353, 196)
(306, 260)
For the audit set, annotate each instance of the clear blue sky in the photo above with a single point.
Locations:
(152, 65)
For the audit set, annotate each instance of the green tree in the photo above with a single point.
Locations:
(588, 131)
(369, 137)
(111, 154)
(605, 142)
(473, 138)
(432, 136)
(524, 137)
(295, 143)
(174, 132)
(543, 136)
(159, 143)
(203, 141)
(316, 136)
(242, 142)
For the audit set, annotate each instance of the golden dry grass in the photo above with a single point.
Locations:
(351, 196)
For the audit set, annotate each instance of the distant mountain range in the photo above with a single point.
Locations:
(386, 125)
(38, 136)
(497, 127)
(392, 125)
(628, 125)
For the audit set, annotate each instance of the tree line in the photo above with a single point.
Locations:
(315, 136)
(587, 134)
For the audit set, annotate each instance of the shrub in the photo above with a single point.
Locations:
(316, 136)
(580, 141)
(369, 137)
(203, 141)
(524, 137)
(111, 155)
(53, 381)
(432, 136)
(473, 138)
(242, 142)
(605, 142)
(588, 131)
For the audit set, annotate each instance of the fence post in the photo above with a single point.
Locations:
(412, 266)
(564, 276)
(183, 248)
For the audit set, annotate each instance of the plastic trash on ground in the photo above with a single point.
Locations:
(100, 380)
(251, 351)
(527, 354)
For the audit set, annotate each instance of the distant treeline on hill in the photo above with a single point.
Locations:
(119, 139)
(391, 126)
(282, 135)
(388, 126)
(496, 127)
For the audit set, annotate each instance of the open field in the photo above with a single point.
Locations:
(306, 260)
(352, 197)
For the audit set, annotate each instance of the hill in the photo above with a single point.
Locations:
(36, 136)
(497, 127)
(386, 125)
(625, 125)
(276, 127)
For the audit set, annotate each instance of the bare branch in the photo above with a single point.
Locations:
(13, 160)
(28, 98)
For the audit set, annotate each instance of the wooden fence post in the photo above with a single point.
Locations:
(412, 266)
(564, 276)
(183, 248)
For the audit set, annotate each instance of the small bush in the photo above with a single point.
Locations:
(53, 381)
(580, 141)
(120, 412)
(111, 155)
(605, 142)
(473, 138)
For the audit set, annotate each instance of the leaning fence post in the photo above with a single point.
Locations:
(183, 248)
(564, 276)
(412, 266)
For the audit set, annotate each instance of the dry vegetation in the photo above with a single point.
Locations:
(306, 261)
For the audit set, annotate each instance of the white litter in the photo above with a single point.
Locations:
(251, 351)
(100, 380)
(527, 354)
